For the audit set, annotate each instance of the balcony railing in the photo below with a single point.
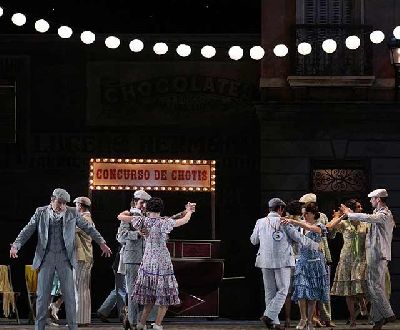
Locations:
(343, 62)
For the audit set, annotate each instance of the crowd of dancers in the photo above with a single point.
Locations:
(144, 275)
(294, 259)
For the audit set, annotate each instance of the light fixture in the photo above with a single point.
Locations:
(280, 50)
(208, 51)
(396, 32)
(88, 37)
(136, 45)
(329, 46)
(160, 48)
(183, 50)
(18, 19)
(64, 32)
(304, 48)
(235, 53)
(1, 11)
(42, 26)
(257, 52)
(353, 42)
(377, 37)
(112, 42)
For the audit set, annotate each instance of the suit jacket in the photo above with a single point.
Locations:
(40, 223)
(132, 242)
(273, 253)
(378, 242)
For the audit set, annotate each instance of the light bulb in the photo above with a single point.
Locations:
(18, 19)
(353, 42)
(64, 32)
(304, 48)
(136, 45)
(112, 42)
(377, 37)
(208, 51)
(160, 48)
(88, 37)
(42, 26)
(280, 50)
(183, 50)
(235, 53)
(329, 46)
(257, 52)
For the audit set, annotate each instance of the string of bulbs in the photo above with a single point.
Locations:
(235, 52)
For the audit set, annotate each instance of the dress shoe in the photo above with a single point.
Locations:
(391, 319)
(140, 326)
(302, 324)
(125, 323)
(157, 327)
(329, 324)
(102, 318)
(379, 324)
(267, 321)
(317, 323)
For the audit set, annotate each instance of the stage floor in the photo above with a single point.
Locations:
(197, 325)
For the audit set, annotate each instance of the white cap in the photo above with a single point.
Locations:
(141, 194)
(378, 193)
(83, 200)
(308, 198)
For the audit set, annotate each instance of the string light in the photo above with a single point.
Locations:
(64, 32)
(183, 50)
(304, 48)
(329, 46)
(136, 45)
(88, 37)
(208, 51)
(18, 19)
(41, 26)
(112, 42)
(257, 52)
(377, 37)
(280, 50)
(160, 48)
(353, 42)
(235, 53)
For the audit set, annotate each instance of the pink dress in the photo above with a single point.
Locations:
(156, 282)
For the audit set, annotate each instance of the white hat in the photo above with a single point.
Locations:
(141, 194)
(83, 200)
(274, 202)
(60, 193)
(378, 193)
(308, 198)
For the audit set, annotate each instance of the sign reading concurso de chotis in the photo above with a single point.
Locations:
(152, 174)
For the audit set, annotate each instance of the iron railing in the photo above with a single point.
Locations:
(343, 62)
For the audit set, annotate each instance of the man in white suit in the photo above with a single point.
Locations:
(55, 225)
(275, 258)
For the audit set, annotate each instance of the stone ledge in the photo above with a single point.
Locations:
(329, 81)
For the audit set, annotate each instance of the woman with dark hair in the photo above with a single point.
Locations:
(311, 282)
(155, 283)
(350, 281)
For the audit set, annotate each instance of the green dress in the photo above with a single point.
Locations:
(350, 272)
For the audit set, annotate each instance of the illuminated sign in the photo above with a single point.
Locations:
(152, 174)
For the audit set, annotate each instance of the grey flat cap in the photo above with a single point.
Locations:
(60, 193)
(83, 200)
(274, 202)
(141, 194)
(378, 193)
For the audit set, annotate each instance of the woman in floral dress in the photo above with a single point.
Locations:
(349, 279)
(156, 283)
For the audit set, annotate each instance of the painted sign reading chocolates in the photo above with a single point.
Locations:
(152, 174)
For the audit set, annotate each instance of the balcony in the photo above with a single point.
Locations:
(343, 62)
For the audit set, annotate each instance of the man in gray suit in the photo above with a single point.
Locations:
(275, 257)
(378, 246)
(132, 252)
(55, 250)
